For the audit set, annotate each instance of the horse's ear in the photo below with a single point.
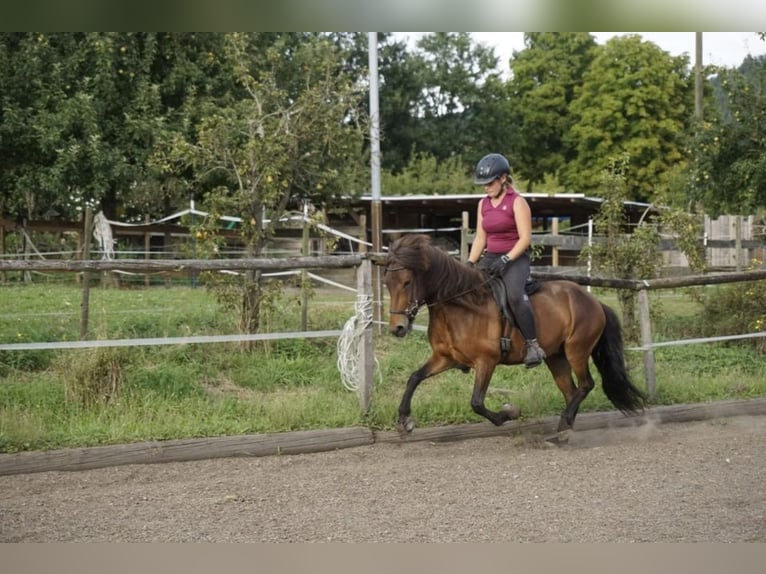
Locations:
(378, 258)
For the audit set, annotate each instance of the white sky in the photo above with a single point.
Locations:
(718, 48)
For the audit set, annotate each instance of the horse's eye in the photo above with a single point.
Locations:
(407, 283)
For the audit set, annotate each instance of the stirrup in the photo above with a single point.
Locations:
(535, 355)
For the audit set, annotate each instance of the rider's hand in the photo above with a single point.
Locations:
(498, 266)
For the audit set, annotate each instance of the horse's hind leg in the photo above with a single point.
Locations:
(562, 368)
(481, 382)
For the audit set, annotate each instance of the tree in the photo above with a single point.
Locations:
(635, 99)
(296, 134)
(545, 76)
(400, 86)
(446, 99)
(81, 112)
(729, 173)
(622, 254)
(425, 175)
(635, 254)
(51, 149)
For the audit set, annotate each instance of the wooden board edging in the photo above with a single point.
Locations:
(585, 421)
(299, 442)
(181, 450)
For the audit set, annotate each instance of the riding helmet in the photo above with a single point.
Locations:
(490, 167)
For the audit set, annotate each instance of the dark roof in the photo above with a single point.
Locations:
(574, 205)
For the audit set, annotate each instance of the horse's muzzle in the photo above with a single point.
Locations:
(400, 328)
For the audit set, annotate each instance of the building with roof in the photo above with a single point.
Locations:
(560, 221)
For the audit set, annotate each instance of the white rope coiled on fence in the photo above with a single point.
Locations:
(102, 232)
(349, 344)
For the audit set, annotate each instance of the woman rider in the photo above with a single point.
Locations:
(504, 229)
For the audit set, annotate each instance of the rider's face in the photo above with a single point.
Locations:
(493, 187)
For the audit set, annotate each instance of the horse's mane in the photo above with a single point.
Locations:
(446, 278)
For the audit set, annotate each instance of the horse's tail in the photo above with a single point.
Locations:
(609, 358)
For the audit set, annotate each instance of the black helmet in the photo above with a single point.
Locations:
(490, 167)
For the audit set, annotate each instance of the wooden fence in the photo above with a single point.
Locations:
(365, 361)
(363, 263)
(643, 287)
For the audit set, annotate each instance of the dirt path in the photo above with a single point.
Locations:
(692, 482)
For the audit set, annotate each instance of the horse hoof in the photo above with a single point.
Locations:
(559, 439)
(513, 411)
(405, 427)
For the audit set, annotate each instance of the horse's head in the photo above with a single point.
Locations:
(400, 277)
(403, 305)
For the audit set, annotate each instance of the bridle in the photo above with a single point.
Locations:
(414, 305)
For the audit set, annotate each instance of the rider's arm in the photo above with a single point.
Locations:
(479, 240)
(523, 216)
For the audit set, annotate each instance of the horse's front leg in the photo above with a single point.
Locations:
(481, 383)
(434, 366)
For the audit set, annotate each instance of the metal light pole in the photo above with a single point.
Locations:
(698, 76)
(375, 168)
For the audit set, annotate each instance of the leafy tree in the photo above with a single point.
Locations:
(635, 99)
(545, 75)
(295, 136)
(446, 99)
(729, 174)
(459, 102)
(635, 254)
(401, 84)
(50, 140)
(81, 112)
(180, 74)
(622, 254)
(424, 175)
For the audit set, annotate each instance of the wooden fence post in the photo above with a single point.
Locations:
(555, 249)
(85, 304)
(2, 249)
(27, 276)
(147, 247)
(366, 349)
(646, 342)
(464, 230)
(304, 273)
(166, 244)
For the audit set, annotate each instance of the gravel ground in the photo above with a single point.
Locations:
(692, 482)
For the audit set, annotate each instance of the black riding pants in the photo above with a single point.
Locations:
(515, 278)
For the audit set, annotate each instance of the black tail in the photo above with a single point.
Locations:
(609, 358)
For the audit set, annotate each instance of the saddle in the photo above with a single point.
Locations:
(506, 313)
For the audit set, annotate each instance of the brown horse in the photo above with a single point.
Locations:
(464, 331)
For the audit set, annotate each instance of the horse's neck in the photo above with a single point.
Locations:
(454, 294)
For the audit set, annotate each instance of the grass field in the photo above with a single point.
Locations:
(79, 397)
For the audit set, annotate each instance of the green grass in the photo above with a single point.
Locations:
(198, 390)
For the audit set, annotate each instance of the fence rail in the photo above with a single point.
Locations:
(365, 288)
(365, 361)
(153, 265)
(661, 283)
(643, 287)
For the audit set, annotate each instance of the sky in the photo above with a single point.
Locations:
(718, 48)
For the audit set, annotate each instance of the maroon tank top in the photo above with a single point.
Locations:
(500, 223)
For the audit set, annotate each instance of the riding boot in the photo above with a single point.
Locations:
(535, 354)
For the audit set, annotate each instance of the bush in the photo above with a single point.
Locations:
(736, 309)
(95, 376)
